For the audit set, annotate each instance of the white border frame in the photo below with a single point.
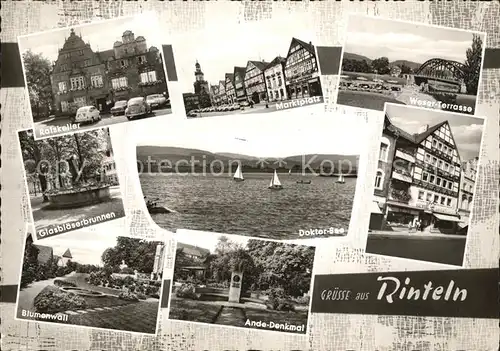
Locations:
(479, 164)
(16, 310)
(351, 14)
(186, 232)
(31, 219)
(76, 26)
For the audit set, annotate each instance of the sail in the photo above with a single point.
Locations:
(275, 181)
(341, 178)
(290, 171)
(238, 174)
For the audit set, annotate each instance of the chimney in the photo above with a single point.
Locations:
(423, 129)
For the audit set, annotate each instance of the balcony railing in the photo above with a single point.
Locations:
(399, 195)
(439, 154)
(405, 155)
(437, 171)
(434, 187)
(402, 175)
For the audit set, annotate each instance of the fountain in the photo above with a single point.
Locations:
(76, 193)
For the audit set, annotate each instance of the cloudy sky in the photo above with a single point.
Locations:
(86, 245)
(219, 49)
(207, 240)
(260, 135)
(375, 37)
(101, 36)
(467, 131)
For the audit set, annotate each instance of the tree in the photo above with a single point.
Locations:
(30, 262)
(381, 65)
(32, 156)
(38, 69)
(473, 65)
(87, 147)
(111, 257)
(406, 69)
(283, 265)
(137, 254)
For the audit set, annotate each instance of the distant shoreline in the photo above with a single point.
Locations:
(225, 173)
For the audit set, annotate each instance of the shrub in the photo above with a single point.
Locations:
(187, 290)
(60, 282)
(278, 301)
(28, 275)
(127, 270)
(303, 300)
(127, 296)
(53, 300)
(141, 296)
(60, 271)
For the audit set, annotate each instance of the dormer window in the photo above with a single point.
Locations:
(123, 63)
(141, 59)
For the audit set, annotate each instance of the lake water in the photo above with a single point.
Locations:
(218, 204)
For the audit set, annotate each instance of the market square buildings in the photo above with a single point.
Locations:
(81, 76)
(295, 76)
(421, 177)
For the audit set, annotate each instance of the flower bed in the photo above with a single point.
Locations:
(53, 300)
(60, 282)
(147, 288)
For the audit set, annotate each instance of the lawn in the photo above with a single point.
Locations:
(190, 310)
(292, 318)
(137, 317)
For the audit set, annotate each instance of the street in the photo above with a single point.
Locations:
(258, 108)
(106, 120)
(438, 248)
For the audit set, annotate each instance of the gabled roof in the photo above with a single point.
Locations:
(422, 136)
(106, 54)
(416, 138)
(398, 130)
(307, 46)
(67, 254)
(45, 253)
(260, 64)
(277, 60)
(239, 70)
(230, 76)
(193, 250)
(223, 82)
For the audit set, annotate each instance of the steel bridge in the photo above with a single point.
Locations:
(441, 70)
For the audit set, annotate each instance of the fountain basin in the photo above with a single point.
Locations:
(78, 198)
(82, 292)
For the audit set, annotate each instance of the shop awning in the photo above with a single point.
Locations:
(374, 208)
(443, 217)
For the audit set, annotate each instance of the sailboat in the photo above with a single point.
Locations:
(238, 175)
(275, 182)
(340, 179)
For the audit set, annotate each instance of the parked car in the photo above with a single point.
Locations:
(119, 108)
(192, 113)
(137, 106)
(156, 101)
(87, 114)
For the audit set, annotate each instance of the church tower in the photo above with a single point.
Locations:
(200, 84)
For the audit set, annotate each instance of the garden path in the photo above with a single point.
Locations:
(28, 294)
(233, 316)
